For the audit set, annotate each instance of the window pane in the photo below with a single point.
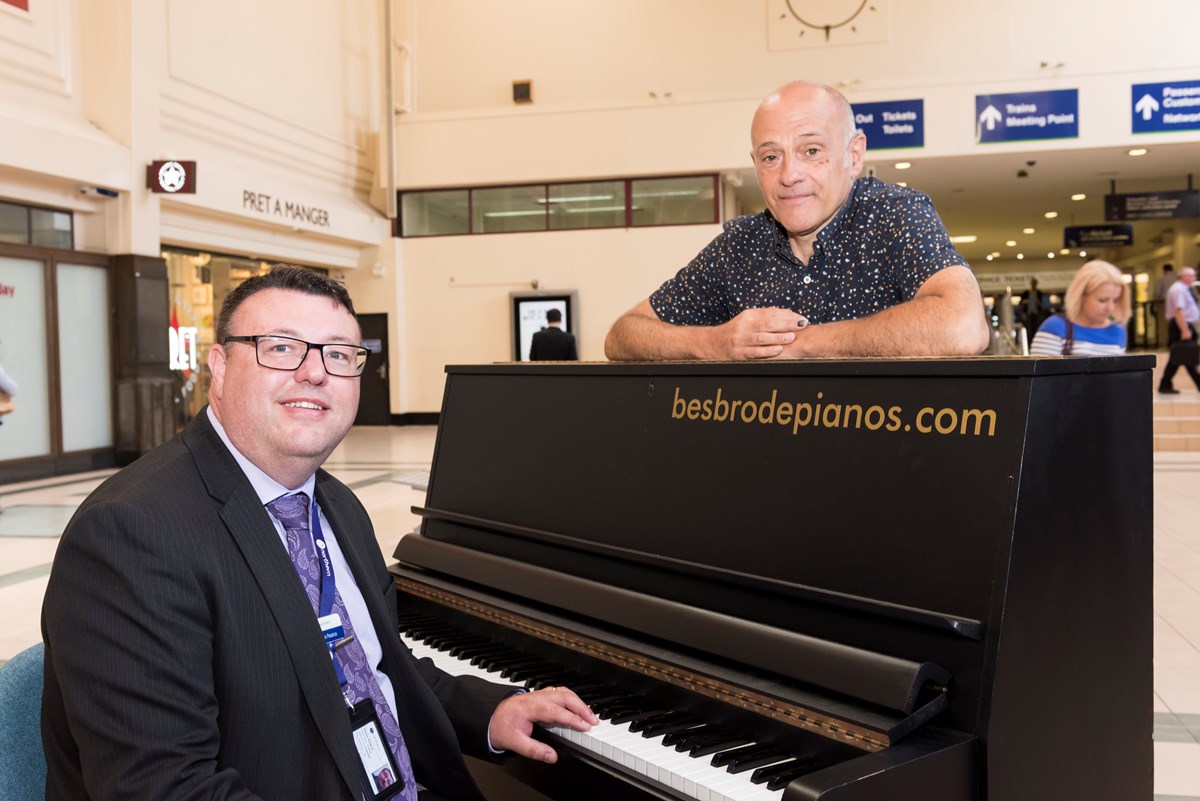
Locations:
(14, 223)
(512, 208)
(671, 201)
(592, 205)
(83, 355)
(434, 213)
(26, 432)
(52, 229)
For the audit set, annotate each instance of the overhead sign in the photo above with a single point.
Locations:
(892, 123)
(1152, 205)
(1161, 107)
(171, 177)
(1027, 115)
(1096, 236)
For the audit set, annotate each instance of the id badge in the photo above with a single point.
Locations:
(383, 777)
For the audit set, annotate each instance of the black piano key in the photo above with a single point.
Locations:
(524, 674)
(468, 646)
(633, 714)
(716, 748)
(723, 758)
(745, 762)
(664, 727)
(678, 739)
(781, 780)
(552, 678)
(764, 774)
(598, 701)
(607, 711)
(500, 662)
(651, 717)
(487, 653)
(525, 664)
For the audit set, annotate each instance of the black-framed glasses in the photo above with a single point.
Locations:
(288, 353)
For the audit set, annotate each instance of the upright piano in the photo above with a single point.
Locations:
(860, 579)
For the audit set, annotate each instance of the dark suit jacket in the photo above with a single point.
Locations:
(552, 344)
(182, 652)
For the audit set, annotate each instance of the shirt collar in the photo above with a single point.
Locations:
(267, 488)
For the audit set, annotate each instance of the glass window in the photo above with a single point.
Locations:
(434, 213)
(509, 208)
(26, 432)
(84, 357)
(673, 201)
(14, 223)
(51, 229)
(600, 204)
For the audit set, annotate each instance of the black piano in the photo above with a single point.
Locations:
(862, 579)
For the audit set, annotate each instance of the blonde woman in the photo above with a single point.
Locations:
(1093, 324)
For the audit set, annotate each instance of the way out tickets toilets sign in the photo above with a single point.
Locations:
(1021, 116)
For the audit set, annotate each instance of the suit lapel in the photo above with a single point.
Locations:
(251, 529)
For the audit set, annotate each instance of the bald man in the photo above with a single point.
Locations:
(835, 266)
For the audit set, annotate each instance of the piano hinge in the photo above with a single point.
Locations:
(756, 703)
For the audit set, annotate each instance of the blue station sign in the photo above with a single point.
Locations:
(892, 123)
(1182, 204)
(1164, 107)
(1095, 236)
(1020, 116)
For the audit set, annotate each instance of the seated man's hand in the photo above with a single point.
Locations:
(512, 722)
(757, 334)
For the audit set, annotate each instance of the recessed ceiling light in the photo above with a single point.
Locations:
(1020, 255)
(1050, 215)
(1138, 151)
(1012, 243)
(903, 165)
(1050, 255)
(996, 253)
(966, 239)
(1064, 251)
(989, 257)
(1027, 230)
(1083, 254)
(1079, 196)
(901, 183)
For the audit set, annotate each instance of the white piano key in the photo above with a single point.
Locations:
(646, 757)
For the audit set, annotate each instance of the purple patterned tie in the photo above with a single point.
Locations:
(292, 512)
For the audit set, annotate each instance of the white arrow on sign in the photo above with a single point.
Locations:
(1147, 106)
(990, 116)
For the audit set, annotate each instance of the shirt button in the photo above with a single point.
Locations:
(808, 279)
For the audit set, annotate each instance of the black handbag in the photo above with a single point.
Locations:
(1185, 353)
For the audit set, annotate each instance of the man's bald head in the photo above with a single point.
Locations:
(798, 94)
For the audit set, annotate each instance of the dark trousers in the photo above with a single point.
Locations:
(1173, 336)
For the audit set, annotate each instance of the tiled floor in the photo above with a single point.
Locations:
(387, 468)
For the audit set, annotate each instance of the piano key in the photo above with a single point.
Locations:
(693, 776)
(663, 727)
(651, 717)
(723, 758)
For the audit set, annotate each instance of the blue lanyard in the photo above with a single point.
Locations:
(328, 586)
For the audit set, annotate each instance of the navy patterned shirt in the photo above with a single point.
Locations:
(875, 253)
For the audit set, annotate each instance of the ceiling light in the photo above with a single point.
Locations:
(996, 253)
(1050, 255)
(1027, 230)
(1050, 215)
(901, 183)
(1012, 243)
(573, 199)
(903, 165)
(963, 240)
(1020, 255)
(1083, 254)
(1138, 151)
(518, 213)
(1064, 252)
(989, 257)
(1078, 196)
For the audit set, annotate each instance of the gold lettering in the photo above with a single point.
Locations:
(679, 407)
(978, 415)
(894, 417)
(784, 415)
(749, 411)
(766, 412)
(878, 423)
(924, 428)
(722, 408)
(947, 429)
(707, 410)
(836, 420)
(854, 407)
(693, 408)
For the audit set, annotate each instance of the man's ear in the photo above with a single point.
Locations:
(216, 366)
(857, 150)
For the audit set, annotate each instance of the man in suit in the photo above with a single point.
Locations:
(552, 344)
(197, 647)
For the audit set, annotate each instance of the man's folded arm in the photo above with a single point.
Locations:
(945, 318)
